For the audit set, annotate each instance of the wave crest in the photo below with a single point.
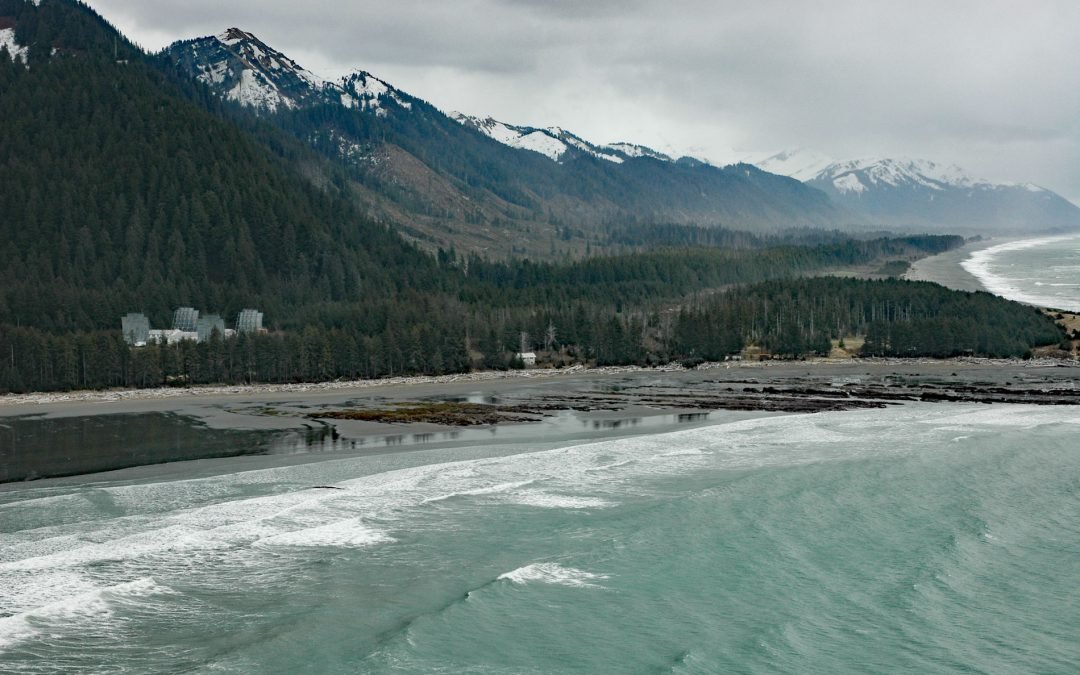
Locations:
(552, 573)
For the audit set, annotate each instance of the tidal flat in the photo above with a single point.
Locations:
(258, 428)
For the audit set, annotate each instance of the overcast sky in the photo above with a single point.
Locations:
(992, 86)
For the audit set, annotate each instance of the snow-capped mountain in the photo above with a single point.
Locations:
(921, 193)
(800, 163)
(364, 91)
(553, 142)
(480, 184)
(634, 150)
(860, 175)
(240, 67)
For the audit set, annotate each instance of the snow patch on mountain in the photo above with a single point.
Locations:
(258, 56)
(539, 141)
(552, 142)
(255, 90)
(15, 50)
(364, 91)
(522, 138)
(581, 144)
(910, 193)
(902, 172)
(242, 68)
(234, 36)
(799, 163)
(635, 151)
(859, 175)
(849, 182)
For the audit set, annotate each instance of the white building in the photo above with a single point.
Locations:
(528, 358)
(171, 336)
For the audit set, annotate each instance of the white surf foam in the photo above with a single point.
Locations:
(982, 265)
(345, 534)
(552, 573)
(479, 492)
(613, 465)
(683, 452)
(74, 610)
(1010, 416)
(555, 501)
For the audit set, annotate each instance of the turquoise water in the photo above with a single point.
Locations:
(1044, 271)
(922, 538)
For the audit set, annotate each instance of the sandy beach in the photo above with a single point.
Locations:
(945, 268)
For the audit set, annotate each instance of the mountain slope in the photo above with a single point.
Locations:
(921, 194)
(122, 194)
(554, 143)
(479, 184)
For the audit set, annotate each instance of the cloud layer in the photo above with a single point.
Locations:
(992, 86)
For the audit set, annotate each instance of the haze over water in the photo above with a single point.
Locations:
(920, 538)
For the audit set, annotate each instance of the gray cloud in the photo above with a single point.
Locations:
(991, 85)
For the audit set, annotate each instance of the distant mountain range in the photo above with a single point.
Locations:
(926, 195)
(479, 184)
(446, 187)
(241, 68)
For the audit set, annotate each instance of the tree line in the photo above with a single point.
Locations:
(788, 317)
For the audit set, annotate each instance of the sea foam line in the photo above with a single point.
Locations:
(979, 264)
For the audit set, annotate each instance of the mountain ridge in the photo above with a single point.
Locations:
(921, 193)
(471, 186)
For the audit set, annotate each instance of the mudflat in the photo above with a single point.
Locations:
(46, 435)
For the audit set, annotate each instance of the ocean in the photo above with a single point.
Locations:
(1043, 271)
(918, 538)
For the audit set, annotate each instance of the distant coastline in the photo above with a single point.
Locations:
(947, 269)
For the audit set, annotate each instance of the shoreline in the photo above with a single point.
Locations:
(114, 399)
(952, 269)
(947, 269)
(104, 431)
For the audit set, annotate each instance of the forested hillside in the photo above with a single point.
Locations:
(120, 194)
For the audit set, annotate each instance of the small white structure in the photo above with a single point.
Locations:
(527, 358)
(173, 336)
